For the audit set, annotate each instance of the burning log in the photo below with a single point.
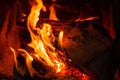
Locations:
(84, 31)
(44, 72)
(54, 64)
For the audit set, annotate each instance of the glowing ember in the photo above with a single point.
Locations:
(90, 18)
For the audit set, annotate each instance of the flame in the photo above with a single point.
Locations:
(42, 39)
(29, 60)
(60, 37)
(42, 42)
(34, 14)
(42, 45)
(14, 53)
(53, 13)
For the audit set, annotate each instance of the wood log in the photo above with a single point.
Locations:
(44, 72)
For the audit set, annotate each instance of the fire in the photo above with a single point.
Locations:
(34, 14)
(53, 13)
(29, 60)
(42, 45)
(14, 53)
(43, 38)
(60, 38)
(42, 41)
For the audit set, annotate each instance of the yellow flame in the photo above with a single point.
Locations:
(42, 39)
(59, 66)
(29, 60)
(14, 53)
(42, 44)
(34, 14)
(17, 65)
(60, 37)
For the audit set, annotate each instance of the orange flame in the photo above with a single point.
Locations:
(42, 40)
(60, 38)
(53, 13)
(34, 14)
(29, 60)
(14, 53)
